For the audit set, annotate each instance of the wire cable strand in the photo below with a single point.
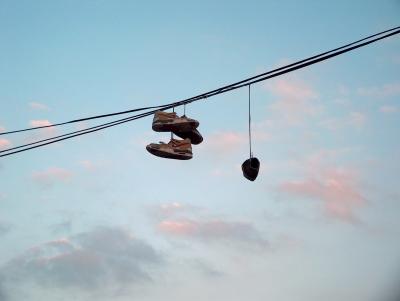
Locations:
(206, 94)
(230, 88)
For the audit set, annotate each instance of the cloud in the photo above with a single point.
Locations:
(296, 100)
(214, 230)
(387, 109)
(101, 260)
(40, 134)
(3, 296)
(172, 210)
(168, 209)
(386, 90)
(205, 268)
(87, 164)
(2, 129)
(353, 119)
(38, 106)
(38, 123)
(226, 142)
(335, 187)
(184, 221)
(4, 228)
(51, 176)
(292, 89)
(91, 165)
(5, 143)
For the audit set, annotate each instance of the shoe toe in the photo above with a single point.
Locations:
(194, 136)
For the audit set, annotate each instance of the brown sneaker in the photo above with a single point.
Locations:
(170, 122)
(175, 149)
(194, 136)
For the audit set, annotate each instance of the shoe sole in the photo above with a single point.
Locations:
(162, 154)
(172, 127)
(194, 136)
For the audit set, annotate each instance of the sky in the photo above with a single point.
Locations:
(99, 218)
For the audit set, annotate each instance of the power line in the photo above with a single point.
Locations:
(206, 94)
(256, 79)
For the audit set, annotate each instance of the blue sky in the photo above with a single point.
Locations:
(99, 218)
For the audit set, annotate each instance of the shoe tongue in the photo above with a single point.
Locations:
(178, 142)
(173, 141)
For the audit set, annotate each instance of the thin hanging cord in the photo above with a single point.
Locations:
(184, 110)
(172, 134)
(103, 126)
(251, 153)
(210, 93)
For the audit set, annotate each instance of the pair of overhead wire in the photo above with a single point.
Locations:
(152, 109)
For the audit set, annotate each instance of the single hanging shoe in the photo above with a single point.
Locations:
(250, 168)
(171, 122)
(175, 149)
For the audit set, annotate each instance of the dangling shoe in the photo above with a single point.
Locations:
(170, 122)
(194, 136)
(175, 149)
(250, 168)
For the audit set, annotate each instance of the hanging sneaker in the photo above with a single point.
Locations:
(194, 136)
(170, 122)
(250, 168)
(175, 149)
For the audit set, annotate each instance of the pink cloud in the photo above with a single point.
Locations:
(38, 123)
(212, 230)
(335, 187)
(291, 89)
(42, 133)
(5, 143)
(180, 228)
(388, 109)
(51, 176)
(226, 142)
(2, 129)
(38, 106)
(296, 100)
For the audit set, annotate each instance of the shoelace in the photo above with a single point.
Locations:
(177, 143)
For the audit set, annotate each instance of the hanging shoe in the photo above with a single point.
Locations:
(194, 136)
(170, 122)
(175, 149)
(250, 168)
